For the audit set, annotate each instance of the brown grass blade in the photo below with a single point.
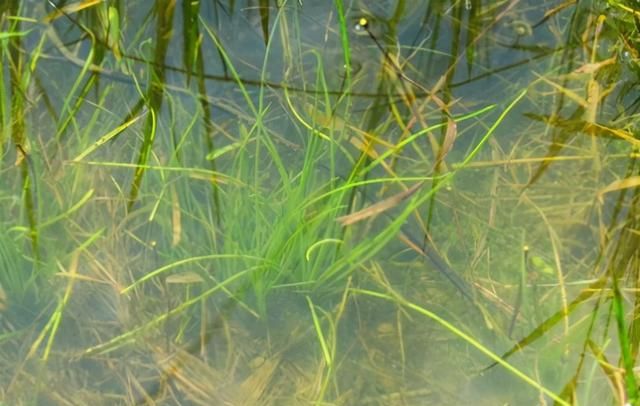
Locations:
(447, 143)
(379, 207)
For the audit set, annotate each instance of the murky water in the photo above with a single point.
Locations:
(175, 177)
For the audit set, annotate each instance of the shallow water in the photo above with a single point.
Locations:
(195, 255)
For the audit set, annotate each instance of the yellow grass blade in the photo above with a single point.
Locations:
(625, 183)
(71, 9)
(569, 93)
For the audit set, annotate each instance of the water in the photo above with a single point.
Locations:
(179, 243)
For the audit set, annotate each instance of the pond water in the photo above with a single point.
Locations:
(311, 202)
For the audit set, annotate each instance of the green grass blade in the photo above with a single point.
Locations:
(467, 338)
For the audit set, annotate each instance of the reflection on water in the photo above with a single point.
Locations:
(173, 172)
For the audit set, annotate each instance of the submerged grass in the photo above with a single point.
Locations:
(281, 195)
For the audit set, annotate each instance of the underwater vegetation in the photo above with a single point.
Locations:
(283, 202)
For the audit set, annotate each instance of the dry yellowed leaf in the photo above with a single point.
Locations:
(594, 67)
(626, 183)
(379, 207)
